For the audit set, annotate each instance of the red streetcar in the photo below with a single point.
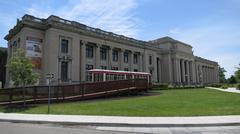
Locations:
(108, 75)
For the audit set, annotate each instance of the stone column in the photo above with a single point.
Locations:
(121, 59)
(210, 69)
(160, 71)
(145, 62)
(211, 75)
(83, 61)
(131, 61)
(208, 75)
(170, 71)
(209, 78)
(175, 71)
(178, 71)
(140, 63)
(110, 58)
(214, 75)
(155, 68)
(197, 73)
(204, 75)
(188, 74)
(183, 70)
(193, 72)
(97, 56)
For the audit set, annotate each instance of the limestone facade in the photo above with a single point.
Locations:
(68, 49)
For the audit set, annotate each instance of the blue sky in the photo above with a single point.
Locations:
(212, 27)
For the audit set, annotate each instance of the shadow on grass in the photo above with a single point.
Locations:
(19, 108)
(16, 108)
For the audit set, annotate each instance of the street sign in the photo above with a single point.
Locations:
(49, 78)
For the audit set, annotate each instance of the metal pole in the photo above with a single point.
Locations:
(49, 80)
(49, 97)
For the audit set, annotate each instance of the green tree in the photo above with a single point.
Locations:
(222, 78)
(232, 80)
(21, 71)
(237, 74)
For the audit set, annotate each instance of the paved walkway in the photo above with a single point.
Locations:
(232, 90)
(119, 120)
(176, 130)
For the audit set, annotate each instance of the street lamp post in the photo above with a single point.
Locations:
(49, 78)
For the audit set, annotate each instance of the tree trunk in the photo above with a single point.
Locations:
(24, 95)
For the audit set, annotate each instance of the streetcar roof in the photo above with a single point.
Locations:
(117, 71)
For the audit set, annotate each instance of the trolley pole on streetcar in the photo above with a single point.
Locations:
(49, 78)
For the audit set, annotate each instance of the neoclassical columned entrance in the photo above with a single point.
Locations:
(184, 70)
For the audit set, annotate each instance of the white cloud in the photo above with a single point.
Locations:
(214, 42)
(116, 16)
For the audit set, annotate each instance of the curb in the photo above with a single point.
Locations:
(118, 124)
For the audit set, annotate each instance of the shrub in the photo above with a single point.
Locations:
(170, 86)
(216, 85)
(224, 86)
(161, 86)
(238, 86)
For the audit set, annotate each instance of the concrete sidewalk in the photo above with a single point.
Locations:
(122, 121)
(232, 90)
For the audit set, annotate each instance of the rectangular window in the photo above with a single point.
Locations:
(103, 53)
(135, 58)
(135, 70)
(64, 46)
(89, 51)
(103, 67)
(114, 68)
(64, 71)
(115, 55)
(151, 72)
(150, 60)
(89, 67)
(88, 75)
(125, 57)
(125, 69)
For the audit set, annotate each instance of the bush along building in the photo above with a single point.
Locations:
(68, 49)
(3, 61)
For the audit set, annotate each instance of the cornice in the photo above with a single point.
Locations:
(72, 26)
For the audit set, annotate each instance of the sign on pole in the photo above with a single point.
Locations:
(49, 78)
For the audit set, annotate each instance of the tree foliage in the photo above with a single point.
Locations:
(222, 78)
(232, 80)
(21, 69)
(237, 74)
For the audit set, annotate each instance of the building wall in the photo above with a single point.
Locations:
(172, 61)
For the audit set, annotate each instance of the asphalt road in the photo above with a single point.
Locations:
(23, 128)
(27, 128)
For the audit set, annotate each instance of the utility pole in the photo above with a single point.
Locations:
(49, 78)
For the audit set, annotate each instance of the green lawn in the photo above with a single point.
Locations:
(184, 102)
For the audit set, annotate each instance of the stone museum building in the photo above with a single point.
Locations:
(68, 49)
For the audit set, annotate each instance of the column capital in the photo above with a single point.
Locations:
(126, 50)
(139, 53)
(116, 48)
(83, 42)
(98, 45)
